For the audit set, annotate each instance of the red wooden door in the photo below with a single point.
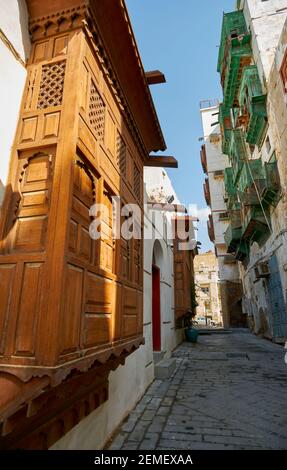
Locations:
(156, 334)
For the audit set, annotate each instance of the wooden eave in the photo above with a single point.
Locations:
(161, 161)
(118, 38)
(154, 77)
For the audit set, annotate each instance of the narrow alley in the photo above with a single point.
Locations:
(228, 392)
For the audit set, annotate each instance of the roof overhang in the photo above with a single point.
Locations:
(161, 161)
(117, 34)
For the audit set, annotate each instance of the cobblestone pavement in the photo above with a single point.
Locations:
(229, 391)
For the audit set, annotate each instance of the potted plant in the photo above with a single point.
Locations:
(191, 334)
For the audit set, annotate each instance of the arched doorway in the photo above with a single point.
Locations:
(157, 259)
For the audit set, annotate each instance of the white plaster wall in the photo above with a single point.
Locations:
(228, 271)
(266, 20)
(14, 24)
(128, 383)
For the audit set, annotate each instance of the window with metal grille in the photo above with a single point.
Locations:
(97, 112)
(121, 155)
(137, 182)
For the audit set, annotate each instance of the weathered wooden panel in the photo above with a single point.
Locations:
(183, 277)
(72, 309)
(98, 330)
(29, 307)
(129, 311)
(40, 51)
(60, 45)
(30, 234)
(107, 243)
(29, 128)
(99, 307)
(7, 275)
(51, 125)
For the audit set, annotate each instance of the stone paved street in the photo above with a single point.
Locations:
(229, 391)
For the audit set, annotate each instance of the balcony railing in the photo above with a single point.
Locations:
(252, 101)
(203, 158)
(207, 192)
(232, 238)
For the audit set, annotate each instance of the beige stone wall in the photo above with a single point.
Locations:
(207, 286)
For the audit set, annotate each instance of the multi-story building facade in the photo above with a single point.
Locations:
(253, 122)
(206, 278)
(75, 311)
(214, 163)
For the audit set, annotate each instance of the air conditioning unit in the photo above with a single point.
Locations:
(262, 270)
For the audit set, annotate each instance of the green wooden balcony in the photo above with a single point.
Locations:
(252, 102)
(271, 193)
(235, 53)
(230, 189)
(259, 182)
(239, 56)
(252, 173)
(237, 152)
(254, 224)
(232, 238)
(242, 251)
(233, 26)
(225, 126)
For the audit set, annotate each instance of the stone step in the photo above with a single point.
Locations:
(214, 331)
(158, 356)
(164, 368)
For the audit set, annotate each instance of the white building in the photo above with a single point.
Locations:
(206, 277)
(257, 159)
(214, 163)
(14, 51)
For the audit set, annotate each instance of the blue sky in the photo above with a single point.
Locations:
(180, 38)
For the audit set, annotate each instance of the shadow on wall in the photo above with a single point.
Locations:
(23, 20)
